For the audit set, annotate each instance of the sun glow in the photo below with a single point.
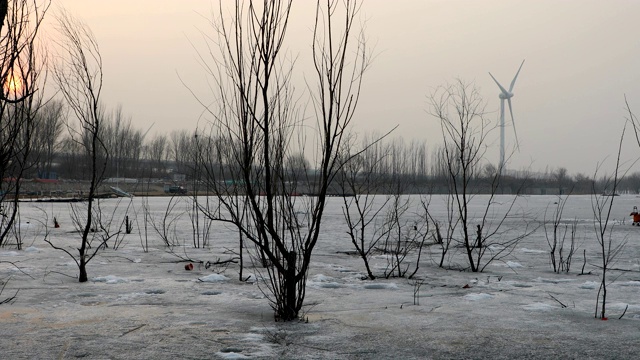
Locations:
(13, 84)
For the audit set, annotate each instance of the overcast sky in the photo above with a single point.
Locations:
(582, 57)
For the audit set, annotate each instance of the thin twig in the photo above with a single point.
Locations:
(132, 330)
(17, 267)
(624, 312)
(559, 302)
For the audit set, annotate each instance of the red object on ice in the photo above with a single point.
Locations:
(466, 286)
(188, 267)
(605, 318)
(636, 216)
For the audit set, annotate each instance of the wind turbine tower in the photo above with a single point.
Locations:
(506, 95)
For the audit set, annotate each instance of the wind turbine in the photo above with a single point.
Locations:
(506, 95)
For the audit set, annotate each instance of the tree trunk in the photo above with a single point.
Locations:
(3, 12)
(241, 260)
(290, 311)
(83, 269)
(366, 264)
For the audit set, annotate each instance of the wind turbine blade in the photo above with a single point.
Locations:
(504, 91)
(513, 82)
(514, 124)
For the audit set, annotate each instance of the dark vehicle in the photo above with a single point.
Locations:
(176, 190)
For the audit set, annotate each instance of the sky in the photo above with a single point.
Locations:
(580, 57)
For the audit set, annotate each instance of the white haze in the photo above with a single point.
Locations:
(569, 100)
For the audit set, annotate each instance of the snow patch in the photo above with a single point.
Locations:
(478, 296)
(589, 285)
(231, 355)
(253, 337)
(9, 253)
(31, 249)
(532, 251)
(630, 283)
(323, 281)
(110, 279)
(213, 278)
(130, 296)
(321, 277)
(344, 270)
(255, 295)
(261, 329)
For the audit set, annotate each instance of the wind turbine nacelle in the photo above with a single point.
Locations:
(506, 96)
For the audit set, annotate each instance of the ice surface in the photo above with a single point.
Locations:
(144, 304)
(538, 307)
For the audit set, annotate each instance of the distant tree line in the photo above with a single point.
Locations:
(133, 153)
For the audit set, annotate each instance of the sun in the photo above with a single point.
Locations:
(14, 84)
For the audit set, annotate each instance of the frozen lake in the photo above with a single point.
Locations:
(141, 303)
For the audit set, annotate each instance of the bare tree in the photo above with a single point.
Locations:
(561, 178)
(73, 162)
(461, 112)
(556, 232)
(602, 205)
(407, 234)
(156, 153)
(360, 179)
(181, 150)
(47, 137)
(22, 71)
(78, 74)
(377, 213)
(123, 143)
(258, 118)
(223, 177)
